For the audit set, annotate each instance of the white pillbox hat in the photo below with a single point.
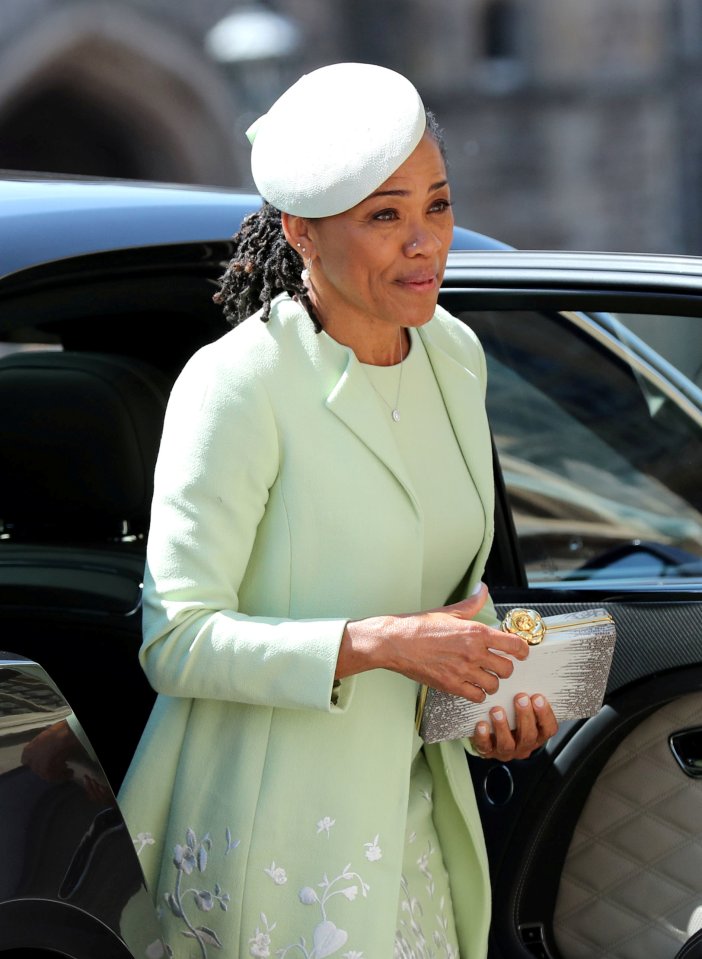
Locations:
(333, 137)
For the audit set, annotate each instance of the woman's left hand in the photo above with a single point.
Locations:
(535, 723)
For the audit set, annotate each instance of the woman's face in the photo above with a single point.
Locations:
(380, 264)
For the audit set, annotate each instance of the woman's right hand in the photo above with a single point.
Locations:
(445, 648)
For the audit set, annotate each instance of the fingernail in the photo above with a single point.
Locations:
(539, 701)
(498, 714)
(523, 701)
(482, 729)
(476, 589)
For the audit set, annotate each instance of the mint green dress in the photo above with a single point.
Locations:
(454, 530)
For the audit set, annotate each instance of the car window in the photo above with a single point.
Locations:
(680, 344)
(600, 443)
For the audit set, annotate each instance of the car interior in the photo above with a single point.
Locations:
(72, 556)
(82, 395)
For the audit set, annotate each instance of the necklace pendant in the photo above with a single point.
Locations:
(396, 415)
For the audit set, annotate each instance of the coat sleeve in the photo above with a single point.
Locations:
(219, 457)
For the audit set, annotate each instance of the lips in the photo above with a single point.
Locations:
(419, 281)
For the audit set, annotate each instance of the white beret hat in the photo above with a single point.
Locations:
(333, 137)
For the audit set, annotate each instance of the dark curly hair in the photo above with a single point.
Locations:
(264, 264)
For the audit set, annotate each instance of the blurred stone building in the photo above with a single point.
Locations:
(569, 124)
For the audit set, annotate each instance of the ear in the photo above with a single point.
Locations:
(297, 234)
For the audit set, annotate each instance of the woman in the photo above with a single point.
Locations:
(323, 476)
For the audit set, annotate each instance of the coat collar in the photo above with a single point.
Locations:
(455, 361)
(355, 405)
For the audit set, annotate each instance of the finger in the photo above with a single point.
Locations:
(508, 643)
(487, 681)
(526, 726)
(482, 740)
(504, 740)
(472, 691)
(501, 666)
(545, 717)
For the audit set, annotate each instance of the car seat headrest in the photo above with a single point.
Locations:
(79, 436)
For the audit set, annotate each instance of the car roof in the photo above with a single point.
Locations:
(44, 217)
(48, 219)
(573, 269)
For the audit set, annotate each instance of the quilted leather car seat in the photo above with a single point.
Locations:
(79, 434)
(630, 884)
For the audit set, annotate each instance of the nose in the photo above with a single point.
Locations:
(422, 243)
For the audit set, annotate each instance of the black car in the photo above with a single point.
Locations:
(594, 371)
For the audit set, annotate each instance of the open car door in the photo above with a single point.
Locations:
(594, 365)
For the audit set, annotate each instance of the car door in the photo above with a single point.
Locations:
(595, 842)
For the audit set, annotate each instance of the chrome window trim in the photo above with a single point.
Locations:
(588, 323)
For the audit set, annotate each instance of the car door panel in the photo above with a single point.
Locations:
(537, 811)
(630, 880)
(595, 841)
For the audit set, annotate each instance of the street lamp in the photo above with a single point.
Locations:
(255, 45)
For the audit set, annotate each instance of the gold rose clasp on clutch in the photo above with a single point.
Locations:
(526, 623)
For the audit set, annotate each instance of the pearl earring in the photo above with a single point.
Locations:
(306, 272)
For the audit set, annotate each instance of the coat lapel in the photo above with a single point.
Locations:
(349, 397)
(354, 403)
(463, 394)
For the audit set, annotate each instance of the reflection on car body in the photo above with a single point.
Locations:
(61, 831)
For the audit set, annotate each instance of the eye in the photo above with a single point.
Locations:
(385, 215)
(440, 206)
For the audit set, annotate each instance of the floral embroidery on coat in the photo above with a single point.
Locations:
(325, 937)
(191, 894)
(143, 839)
(277, 874)
(190, 857)
(325, 825)
(421, 934)
(373, 850)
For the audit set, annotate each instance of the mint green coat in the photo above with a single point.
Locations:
(268, 804)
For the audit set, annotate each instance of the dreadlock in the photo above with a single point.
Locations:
(264, 264)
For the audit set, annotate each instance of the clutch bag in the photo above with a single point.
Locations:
(569, 663)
